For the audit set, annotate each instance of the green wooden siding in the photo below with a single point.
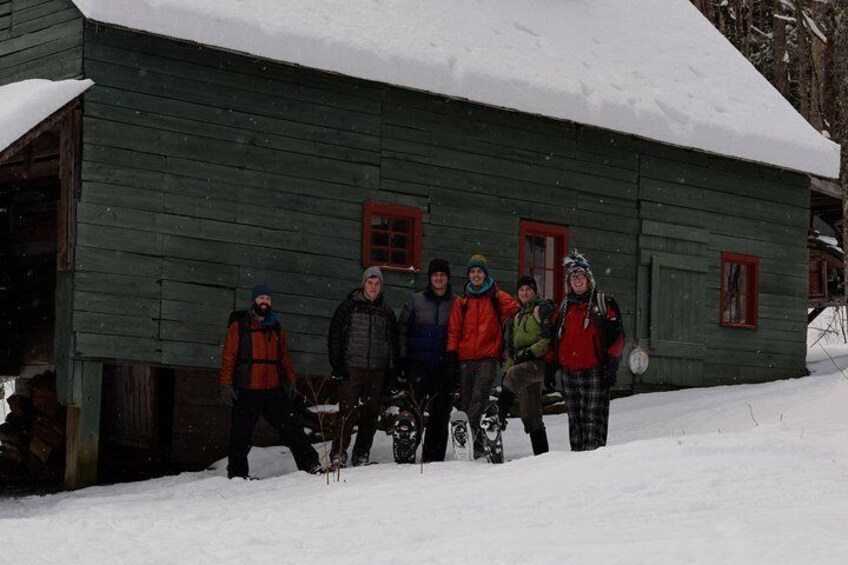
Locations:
(743, 209)
(40, 39)
(205, 172)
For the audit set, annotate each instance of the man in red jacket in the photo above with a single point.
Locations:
(255, 372)
(475, 339)
(588, 342)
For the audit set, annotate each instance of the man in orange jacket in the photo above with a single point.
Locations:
(475, 339)
(255, 371)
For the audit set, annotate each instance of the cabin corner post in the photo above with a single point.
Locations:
(83, 426)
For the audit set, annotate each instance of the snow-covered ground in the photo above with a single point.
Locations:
(745, 474)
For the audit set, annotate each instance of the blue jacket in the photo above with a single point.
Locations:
(424, 326)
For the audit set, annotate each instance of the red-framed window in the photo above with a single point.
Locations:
(391, 236)
(542, 247)
(740, 281)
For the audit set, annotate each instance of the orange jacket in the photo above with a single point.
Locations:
(269, 357)
(474, 331)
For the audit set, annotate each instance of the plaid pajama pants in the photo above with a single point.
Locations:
(587, 401)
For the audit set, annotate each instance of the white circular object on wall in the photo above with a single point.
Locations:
(638, 360)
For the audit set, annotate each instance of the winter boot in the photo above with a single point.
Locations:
(539, 441)
(505, 401)
(360, 459)
(338, 460)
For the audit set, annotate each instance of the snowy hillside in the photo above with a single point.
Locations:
(744, 474)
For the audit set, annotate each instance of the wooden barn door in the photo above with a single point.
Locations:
(673, 271)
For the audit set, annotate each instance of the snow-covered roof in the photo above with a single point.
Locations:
(653, 68)
(25, 104)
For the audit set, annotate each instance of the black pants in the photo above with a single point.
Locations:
(432, 391)
(360, 399)
(277, 409)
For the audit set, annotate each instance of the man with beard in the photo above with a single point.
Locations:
(255, 374)
(363, 347)
(588, 342)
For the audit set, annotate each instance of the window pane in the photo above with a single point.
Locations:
(539, 251)
(379, 222)
(742, 279)
(401, 224)
(549, 256)
(399, 241)
(549, 284)
(742, 310)
(379, 255)
(379, 238)
(528, 253)
(400, 258)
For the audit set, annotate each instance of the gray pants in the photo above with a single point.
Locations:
(477, 378)
(524, 380)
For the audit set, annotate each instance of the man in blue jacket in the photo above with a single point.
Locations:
(429, 376)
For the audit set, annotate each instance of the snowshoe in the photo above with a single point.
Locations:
(490, 432)
(460, 432)
(405, 438)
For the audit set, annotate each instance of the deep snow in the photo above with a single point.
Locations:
(745, 474)
(652, 68)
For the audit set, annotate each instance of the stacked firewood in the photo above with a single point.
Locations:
(32, 439)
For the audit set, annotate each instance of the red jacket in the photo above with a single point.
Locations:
(474, 330)
(269, 355)
(579, 344)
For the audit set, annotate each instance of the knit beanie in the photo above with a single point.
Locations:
(478, 260)
(259, 290)
(527, 280)
(439, 266)
(372, 272)
(575, 262)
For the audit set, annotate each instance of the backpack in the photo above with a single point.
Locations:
(244, 359)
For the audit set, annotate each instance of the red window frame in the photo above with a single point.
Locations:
(559, 233)
(750, 293)
(392, 213)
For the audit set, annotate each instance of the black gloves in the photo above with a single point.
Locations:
(228, 395)
(524, 356)
(610, 371)
(550, 377)
(289, 389)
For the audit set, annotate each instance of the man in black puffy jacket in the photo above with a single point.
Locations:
(363, 348)
(424, 335)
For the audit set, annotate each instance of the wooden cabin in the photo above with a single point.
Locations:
(211, 151)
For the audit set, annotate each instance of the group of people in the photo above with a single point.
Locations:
(443, 342)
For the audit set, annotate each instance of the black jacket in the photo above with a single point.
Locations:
(363, 335)
(424, 326)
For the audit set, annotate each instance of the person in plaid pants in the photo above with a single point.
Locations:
(588, 343)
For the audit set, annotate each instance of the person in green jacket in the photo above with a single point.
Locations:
(528, 341)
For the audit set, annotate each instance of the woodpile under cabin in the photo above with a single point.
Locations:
(158, 158)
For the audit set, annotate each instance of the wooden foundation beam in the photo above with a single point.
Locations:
(83, 426)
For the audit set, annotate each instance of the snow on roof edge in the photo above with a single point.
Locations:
(25, 104)
(793, 144)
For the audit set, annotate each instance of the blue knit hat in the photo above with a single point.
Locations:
(575, 262)
(478, 260)
(259, 290)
